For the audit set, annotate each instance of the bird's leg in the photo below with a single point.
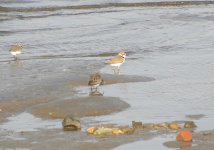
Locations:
(114, 70)
(15, 57)
(118, 70)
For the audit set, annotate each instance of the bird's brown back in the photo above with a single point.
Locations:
(95, 79)
(116, 59)
(16, 48)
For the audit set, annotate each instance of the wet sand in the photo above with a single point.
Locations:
(58, 139)
(111, 79)
(201, 141)
(63, 97)
(9, 108)
(70, 102)
(58, 109)
(84, 106)
(169, 68)
(80, 107)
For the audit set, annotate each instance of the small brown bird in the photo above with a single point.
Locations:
(95, 81)
(117, 61)
(16, 50)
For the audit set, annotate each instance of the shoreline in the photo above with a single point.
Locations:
(110, 5)
(14, 106)
(54, 108)
(47, 109)
(169, 49)
(57, 138)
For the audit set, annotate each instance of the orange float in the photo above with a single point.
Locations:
(184, 136)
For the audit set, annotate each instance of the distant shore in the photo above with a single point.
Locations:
(107, 5)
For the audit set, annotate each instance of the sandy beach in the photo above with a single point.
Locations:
(48, 131)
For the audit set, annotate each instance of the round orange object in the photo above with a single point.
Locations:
(184, 136)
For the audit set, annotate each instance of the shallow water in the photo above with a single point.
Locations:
(27, 122)
(178, 90)
(174, 45)
(156, 143)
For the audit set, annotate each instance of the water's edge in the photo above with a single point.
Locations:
(107, 5)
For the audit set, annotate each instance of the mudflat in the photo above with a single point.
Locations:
(80, 107)
(167, 76)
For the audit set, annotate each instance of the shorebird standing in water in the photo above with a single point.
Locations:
(95, 81)
(16, 50)
(117, 61)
